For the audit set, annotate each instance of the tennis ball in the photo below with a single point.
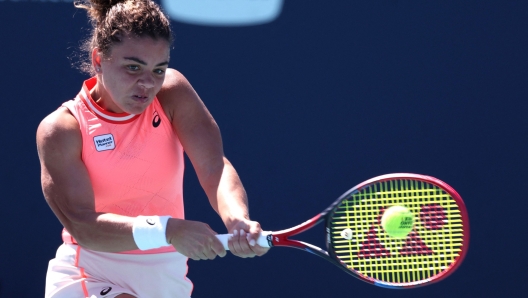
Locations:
(397, 221)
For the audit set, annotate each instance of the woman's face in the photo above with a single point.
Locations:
(131, 75)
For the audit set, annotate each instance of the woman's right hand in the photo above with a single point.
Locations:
(194, 239)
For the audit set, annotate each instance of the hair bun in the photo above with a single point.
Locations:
(97, 9)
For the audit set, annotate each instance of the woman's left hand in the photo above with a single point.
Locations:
(244, 241)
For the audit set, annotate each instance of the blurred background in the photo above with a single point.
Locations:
(312, 98)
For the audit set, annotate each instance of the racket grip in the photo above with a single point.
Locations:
(262, 239)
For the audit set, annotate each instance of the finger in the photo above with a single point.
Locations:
(209, 254)
(238, 243)
(217, 248)
(234, 243)
(202, 256)
(244, 245)
(195, 258)
(259, 250)
(250, 242)
(254, 233)
(231, 241)
(244, 236)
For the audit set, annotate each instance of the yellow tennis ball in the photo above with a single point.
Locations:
(397, 221)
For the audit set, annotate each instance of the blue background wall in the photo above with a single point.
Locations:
(330, 94)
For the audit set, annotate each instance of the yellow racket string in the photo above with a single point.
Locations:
(433, 245)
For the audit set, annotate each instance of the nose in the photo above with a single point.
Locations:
(146, 81)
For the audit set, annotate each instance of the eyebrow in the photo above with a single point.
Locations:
(145, 63)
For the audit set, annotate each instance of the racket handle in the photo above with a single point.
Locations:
(262, 239)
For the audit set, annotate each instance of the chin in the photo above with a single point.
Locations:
(136, 110)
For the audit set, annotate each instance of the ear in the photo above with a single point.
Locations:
(96, 60)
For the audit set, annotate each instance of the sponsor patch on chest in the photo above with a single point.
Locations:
(104, 142)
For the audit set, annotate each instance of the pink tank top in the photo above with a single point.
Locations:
(135, 162)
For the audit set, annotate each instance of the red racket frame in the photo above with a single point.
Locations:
(281, 238)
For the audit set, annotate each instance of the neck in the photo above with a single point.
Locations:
(100, 96)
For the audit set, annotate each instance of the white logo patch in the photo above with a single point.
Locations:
(104, 142)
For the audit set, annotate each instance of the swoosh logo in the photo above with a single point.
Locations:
(150, 221)
(106, 291)
(157, 120)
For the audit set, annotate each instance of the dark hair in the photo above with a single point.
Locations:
(113, 20)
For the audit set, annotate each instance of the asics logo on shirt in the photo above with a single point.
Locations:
(106, 291)
(157, 120)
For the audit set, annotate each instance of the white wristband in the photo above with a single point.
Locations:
(149, 231)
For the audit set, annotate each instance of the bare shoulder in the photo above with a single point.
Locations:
(58, 130)
(176, 87)
(173, 79)
(178, 97)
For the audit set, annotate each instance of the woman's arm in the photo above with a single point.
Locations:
(68, 191)
(201, 139)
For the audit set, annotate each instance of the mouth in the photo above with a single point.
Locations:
(140, 98)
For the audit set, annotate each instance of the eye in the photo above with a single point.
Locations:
(159, 71)
(133, 67)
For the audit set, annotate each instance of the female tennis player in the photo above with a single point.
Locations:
(112, 167)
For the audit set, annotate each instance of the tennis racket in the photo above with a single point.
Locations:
(357, 243)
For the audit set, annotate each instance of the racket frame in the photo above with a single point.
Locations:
(281, 238)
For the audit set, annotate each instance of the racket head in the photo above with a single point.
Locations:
(434, 248)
